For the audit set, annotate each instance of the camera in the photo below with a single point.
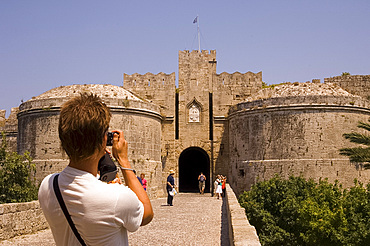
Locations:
(110, 138)
(107, 169)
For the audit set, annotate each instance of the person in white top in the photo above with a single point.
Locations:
(101, 212)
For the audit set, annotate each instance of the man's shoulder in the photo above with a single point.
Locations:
(46, 183)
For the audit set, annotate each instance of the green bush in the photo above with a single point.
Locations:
(17, 183)
(301, 212)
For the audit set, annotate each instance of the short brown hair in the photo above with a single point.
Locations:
(83, 122)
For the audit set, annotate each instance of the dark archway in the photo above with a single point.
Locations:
(192, 161)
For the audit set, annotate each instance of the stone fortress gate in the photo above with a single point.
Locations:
(212, 123)
(194, 128)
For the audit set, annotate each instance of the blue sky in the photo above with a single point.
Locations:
(46, 44)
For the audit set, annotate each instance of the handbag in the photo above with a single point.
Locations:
(65, 211)
(173, 192)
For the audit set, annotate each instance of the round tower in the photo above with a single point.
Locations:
(295, 129)
(139, 120)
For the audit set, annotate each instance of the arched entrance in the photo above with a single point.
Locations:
(192, 162)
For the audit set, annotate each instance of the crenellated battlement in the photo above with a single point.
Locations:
(2, 117)
(157, 88)
(238, 78)
(185, 55)
(355, 84)
(10, 127)
(195, 58)
(194, 52)
(10, 121)
(160, 80)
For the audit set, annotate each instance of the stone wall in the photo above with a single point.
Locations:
(157, 88)
(143, 134)
(355, 84)
(229, 90)
(21, 218)
(140, 120)
(10, 127)
(294, 136)
(240, 231)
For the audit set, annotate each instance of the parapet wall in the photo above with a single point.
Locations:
(148, 80)
(20, 219)
(240, 231)
(50, 104)
(157, 88)
(10, 127)
(355, 84)
(207, 54)
(231, 89)
(305, 101)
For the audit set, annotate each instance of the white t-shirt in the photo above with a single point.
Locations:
(101, 212)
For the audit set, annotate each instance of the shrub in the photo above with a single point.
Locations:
(302, 212)
(16, 181)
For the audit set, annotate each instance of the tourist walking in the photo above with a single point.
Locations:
(224, 186)
(202, 183)
(138, 178)
(143, 180)
(170, 187)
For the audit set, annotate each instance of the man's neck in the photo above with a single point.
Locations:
(88, 165)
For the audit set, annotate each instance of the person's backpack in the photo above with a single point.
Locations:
(202, 178)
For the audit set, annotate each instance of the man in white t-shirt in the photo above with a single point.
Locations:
(102, 213)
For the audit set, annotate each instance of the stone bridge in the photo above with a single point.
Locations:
(193, 220)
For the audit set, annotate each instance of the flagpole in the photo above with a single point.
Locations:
(198, 33)
(196, 20)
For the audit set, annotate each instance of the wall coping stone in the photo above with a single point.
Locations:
(240, 231)
(21, 218)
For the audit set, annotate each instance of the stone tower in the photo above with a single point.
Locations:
(194, 125)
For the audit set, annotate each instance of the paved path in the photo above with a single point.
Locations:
(193, 220)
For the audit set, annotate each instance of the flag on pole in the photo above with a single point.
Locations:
(195, 20)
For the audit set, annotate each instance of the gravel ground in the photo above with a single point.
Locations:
(193, 220)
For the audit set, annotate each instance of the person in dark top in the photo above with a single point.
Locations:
(202, 183)
(138, 178)
(170, 186)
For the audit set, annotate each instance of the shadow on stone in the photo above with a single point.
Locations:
(225, 241)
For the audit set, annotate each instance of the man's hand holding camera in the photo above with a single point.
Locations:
(120, 148)
(120, 153)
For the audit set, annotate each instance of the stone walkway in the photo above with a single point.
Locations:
(193, 220)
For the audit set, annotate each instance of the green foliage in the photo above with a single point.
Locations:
(264, 85)
(358, 154)
(301, 212)
(16, 182)
(346, 74)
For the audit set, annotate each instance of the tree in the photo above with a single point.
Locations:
(17, 183)
(358, 154)
(296, 211)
